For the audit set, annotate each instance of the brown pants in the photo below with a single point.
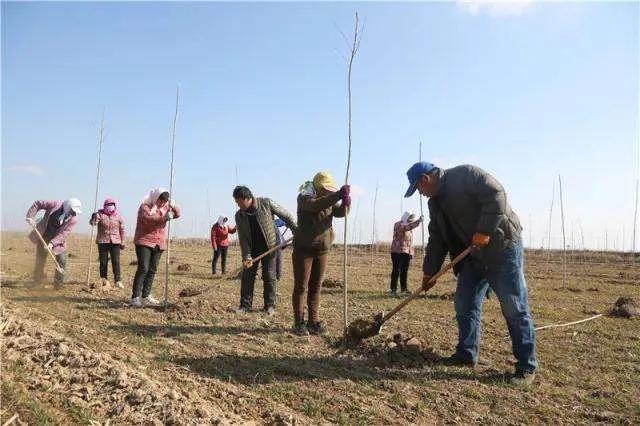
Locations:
(308, 271)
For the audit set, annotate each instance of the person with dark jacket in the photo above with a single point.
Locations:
(468, 206)
(318, 203)
(256, 235)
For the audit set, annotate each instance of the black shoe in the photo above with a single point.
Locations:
(300, 329)
(455, 361)
(393, 293)
(317, 329)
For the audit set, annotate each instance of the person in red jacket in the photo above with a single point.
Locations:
(220, 242)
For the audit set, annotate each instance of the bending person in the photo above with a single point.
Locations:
(55, 226)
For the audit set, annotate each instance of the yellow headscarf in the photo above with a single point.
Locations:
(324, 180)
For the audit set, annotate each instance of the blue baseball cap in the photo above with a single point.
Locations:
(414, 174)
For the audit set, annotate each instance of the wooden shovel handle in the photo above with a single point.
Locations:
(266, 253)
(430, 284)
(46, 246)
(271, 250)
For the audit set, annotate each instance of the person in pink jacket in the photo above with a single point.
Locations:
(110, 239)
(402, 251)
(55, 226)
(151, 240)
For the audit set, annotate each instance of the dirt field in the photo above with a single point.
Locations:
(83, 356)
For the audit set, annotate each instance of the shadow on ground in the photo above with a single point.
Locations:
(176, 330)
(249, 370)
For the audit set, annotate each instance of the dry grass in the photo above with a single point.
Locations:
(253, 366)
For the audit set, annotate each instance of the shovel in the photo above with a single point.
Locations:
(194, 292)
(363, 329)
(46, 246)
(235, 273)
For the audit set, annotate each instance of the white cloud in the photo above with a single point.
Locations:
(496, 8)
(27, 169)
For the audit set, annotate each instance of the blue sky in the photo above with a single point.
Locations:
(525, 90)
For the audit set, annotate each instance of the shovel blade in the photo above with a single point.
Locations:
(363, 329)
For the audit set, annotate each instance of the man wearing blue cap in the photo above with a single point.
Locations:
(468, 206)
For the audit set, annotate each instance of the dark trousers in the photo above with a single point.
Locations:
(221, 254)
(41, 260)
(106, 250)
(148, 259)
(268, 278)
(400, 269)
(308, 272)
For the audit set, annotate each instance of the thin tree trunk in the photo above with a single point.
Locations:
(635, 222)
(354, 49)
(173, 144)
(564, 244)
(553, 193)
(421, 206)
(95, 198)
(373, 230)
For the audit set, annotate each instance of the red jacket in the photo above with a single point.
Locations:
(151, 228)
(220, 235)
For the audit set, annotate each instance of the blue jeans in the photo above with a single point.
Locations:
(510, 287)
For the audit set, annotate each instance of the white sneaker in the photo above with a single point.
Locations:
(135, 302)
(149, 300)
(119, 284)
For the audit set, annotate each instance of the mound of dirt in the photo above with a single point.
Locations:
(403, 351)
(184, 267)
(332, 283)
(189, 292)
(199, 310)
(87, 380)
(101, 285)
(625, 307)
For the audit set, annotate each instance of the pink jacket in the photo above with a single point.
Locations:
(110, 228)
(403, 237)
(59, 241)
(151, 227)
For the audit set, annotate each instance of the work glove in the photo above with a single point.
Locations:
(346, 201)
(479, 241)
(31, 222)
(345, 190)
(50, 246)
(425, 282)
(121, 246)
(172, 203)
(247, 263)
(169, 215)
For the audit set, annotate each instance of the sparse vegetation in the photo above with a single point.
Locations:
(251, 368)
